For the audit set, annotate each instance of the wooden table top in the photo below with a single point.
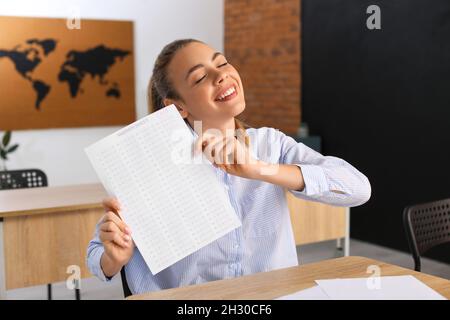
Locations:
(273, 284)
(30, 201)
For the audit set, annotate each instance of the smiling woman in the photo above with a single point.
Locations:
(206, 88)
(200, 82)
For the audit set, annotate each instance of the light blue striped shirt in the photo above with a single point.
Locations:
(265, 240)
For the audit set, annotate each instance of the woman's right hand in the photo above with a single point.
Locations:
(116, 238)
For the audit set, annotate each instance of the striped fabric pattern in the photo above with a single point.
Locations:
(265, 241)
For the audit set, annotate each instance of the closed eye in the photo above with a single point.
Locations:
(220, 66)
(199, 80)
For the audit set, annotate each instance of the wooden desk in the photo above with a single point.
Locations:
(45, 230)
(273, 284)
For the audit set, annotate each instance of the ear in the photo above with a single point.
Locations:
(183, 112)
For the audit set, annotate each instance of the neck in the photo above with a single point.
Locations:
(224, 127)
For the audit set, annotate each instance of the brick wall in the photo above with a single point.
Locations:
(262, 40)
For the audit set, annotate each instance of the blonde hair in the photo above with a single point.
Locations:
(240, 127)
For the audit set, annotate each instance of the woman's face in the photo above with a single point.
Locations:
(210, 88)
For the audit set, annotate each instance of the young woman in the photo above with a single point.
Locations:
(206, 88)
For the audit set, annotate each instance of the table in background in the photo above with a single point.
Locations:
(45, 230)
(314, 222)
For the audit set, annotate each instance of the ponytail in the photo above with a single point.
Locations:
(154, 100)
(240, 127)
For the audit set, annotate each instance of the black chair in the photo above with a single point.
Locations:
(18, 179)
(126, 289)
(28, 178)
(427, 225)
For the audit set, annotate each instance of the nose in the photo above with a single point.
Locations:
(221, 76)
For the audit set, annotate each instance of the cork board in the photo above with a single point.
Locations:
(53, 76)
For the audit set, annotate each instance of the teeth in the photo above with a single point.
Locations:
(227, 93)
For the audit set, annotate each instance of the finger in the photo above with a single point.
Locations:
(201, 142)
(112, 228)
(222, 150)
(208, 141)
(208, 149)
(229, 151)
(198, 145)
(111, 204)
(119, 240)
(218, 149)
(103, 236)
(115, 238)
(109, 226)
(106, 236)
(112, 216)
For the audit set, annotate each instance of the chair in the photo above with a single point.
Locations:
(28, 178)
(17, 179)
(427, 225)
(126, 289)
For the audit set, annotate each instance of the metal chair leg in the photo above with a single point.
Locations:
(77, 294)
(339, 244)
(49, 291)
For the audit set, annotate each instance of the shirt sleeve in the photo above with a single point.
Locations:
(327, 179)
(94, 253)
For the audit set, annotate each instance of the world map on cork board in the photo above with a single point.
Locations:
(53, 76)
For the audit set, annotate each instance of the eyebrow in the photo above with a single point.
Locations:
(215, 55)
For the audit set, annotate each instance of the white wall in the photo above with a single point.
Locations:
(60, 152)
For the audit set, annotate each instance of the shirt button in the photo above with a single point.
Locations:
(227, 187)
(232, 266)
(236, 246)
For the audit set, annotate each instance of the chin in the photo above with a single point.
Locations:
(235, 109)
(239, 108)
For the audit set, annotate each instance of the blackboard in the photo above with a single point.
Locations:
(380, 99)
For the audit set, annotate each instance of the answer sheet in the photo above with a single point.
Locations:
(378, 288)
(173, 205)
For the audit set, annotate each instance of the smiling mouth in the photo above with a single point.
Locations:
(227, 95)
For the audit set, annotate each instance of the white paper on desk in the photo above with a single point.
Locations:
(173, 208)
(313, 293)
(390, 288)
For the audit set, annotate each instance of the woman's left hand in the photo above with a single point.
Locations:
(229, 154)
